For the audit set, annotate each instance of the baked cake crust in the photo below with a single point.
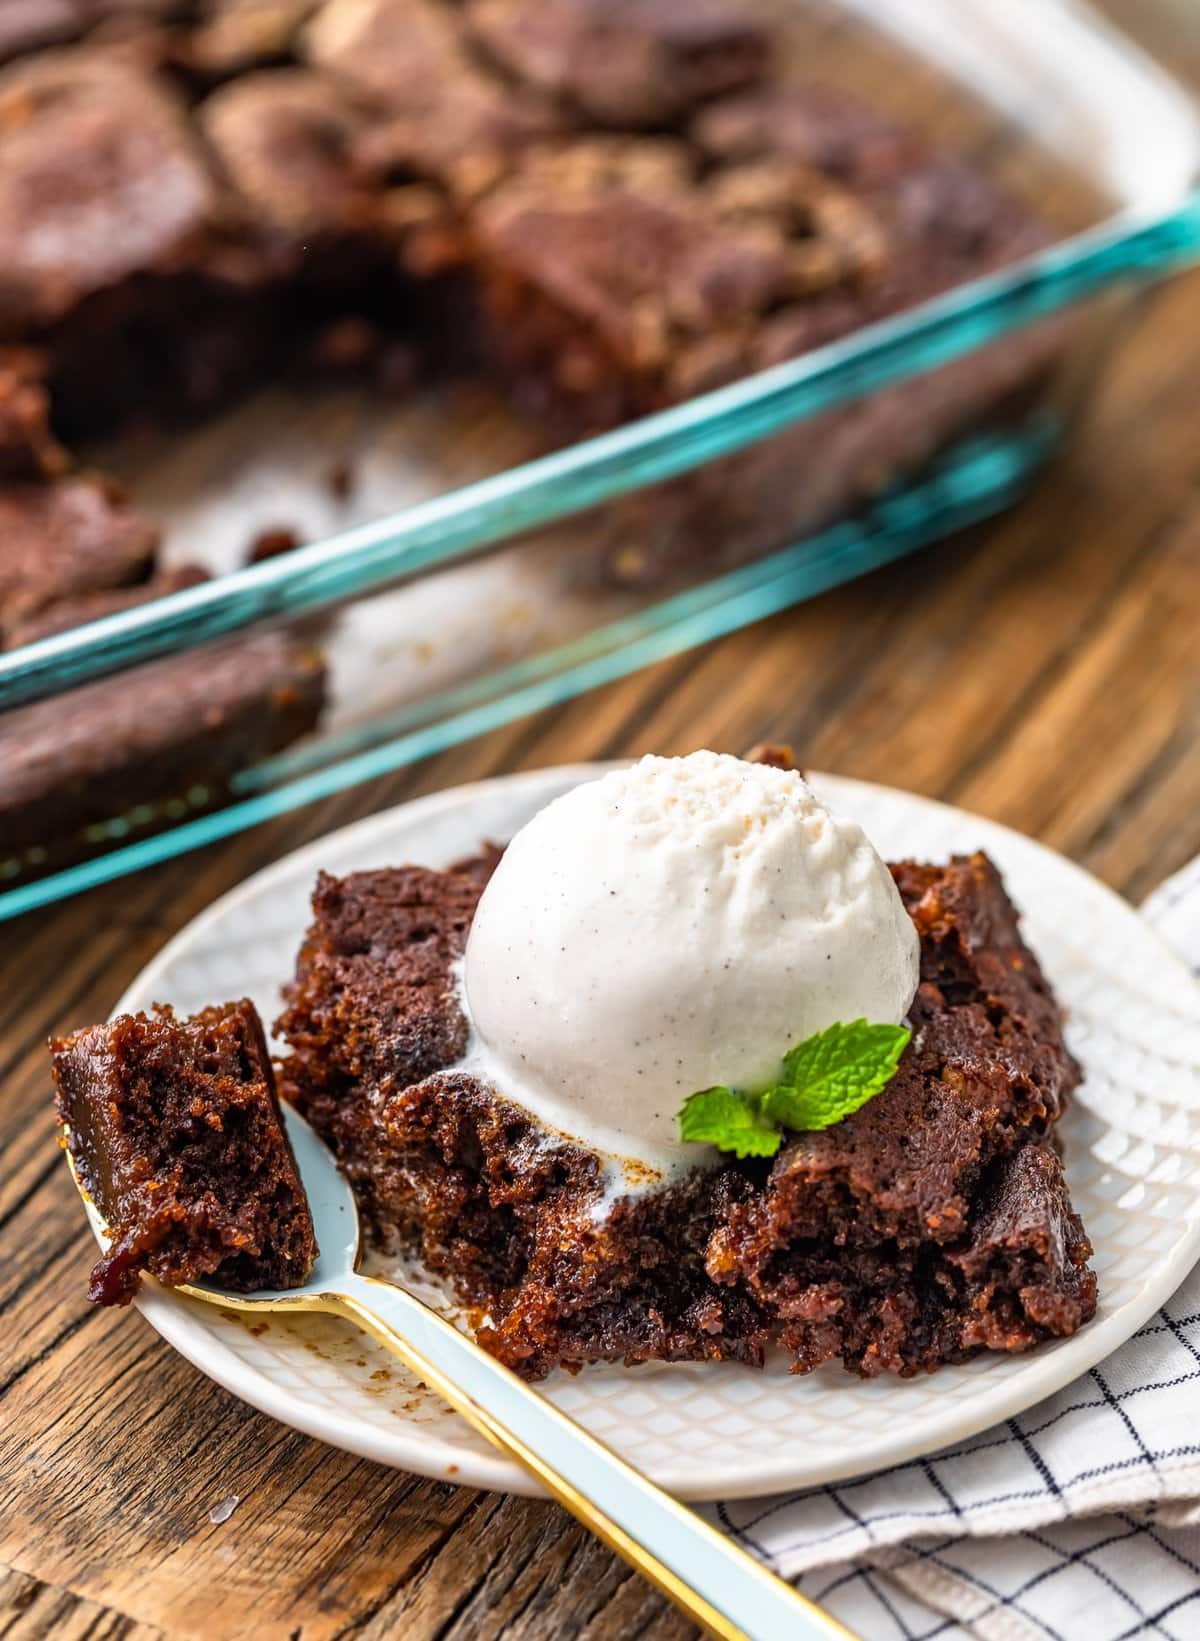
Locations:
(170, 191)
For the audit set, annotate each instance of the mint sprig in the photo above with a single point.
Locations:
(825, 1078)
(726, 1118)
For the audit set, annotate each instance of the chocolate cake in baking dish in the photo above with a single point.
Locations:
(605, 205)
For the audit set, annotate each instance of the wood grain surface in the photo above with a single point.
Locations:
(1043, 670)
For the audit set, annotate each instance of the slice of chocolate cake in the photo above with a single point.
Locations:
(175, 1133)
(122, 756)
(931, 1224)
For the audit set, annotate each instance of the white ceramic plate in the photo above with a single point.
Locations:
(1132, 1144)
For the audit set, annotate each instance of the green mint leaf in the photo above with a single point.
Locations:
(730, 1120)
(826, 1077)
(834, 1072)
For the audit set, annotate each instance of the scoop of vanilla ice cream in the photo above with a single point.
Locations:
(673, 926)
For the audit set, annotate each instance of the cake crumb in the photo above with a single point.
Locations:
(776, 754)
(345, 345)
(339, 480)
(272, 543)
(397, 369)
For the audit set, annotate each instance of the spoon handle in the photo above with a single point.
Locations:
(707, 1575)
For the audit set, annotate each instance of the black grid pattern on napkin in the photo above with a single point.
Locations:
(1109, 1578)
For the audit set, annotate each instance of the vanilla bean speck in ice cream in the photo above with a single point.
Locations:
(669, 927)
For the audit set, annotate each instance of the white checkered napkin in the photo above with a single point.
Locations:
(1080, 1519)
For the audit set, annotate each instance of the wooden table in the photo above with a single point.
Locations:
(1044, 670)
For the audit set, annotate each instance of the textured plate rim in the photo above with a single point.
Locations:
(1030, 1380)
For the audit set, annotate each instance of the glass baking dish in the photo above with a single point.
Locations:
(459, 577)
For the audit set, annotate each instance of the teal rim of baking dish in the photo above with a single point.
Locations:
(975, 479)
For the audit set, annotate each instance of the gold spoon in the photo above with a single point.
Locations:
(707, 1575)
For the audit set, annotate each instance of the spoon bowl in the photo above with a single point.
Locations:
(335, 1221)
